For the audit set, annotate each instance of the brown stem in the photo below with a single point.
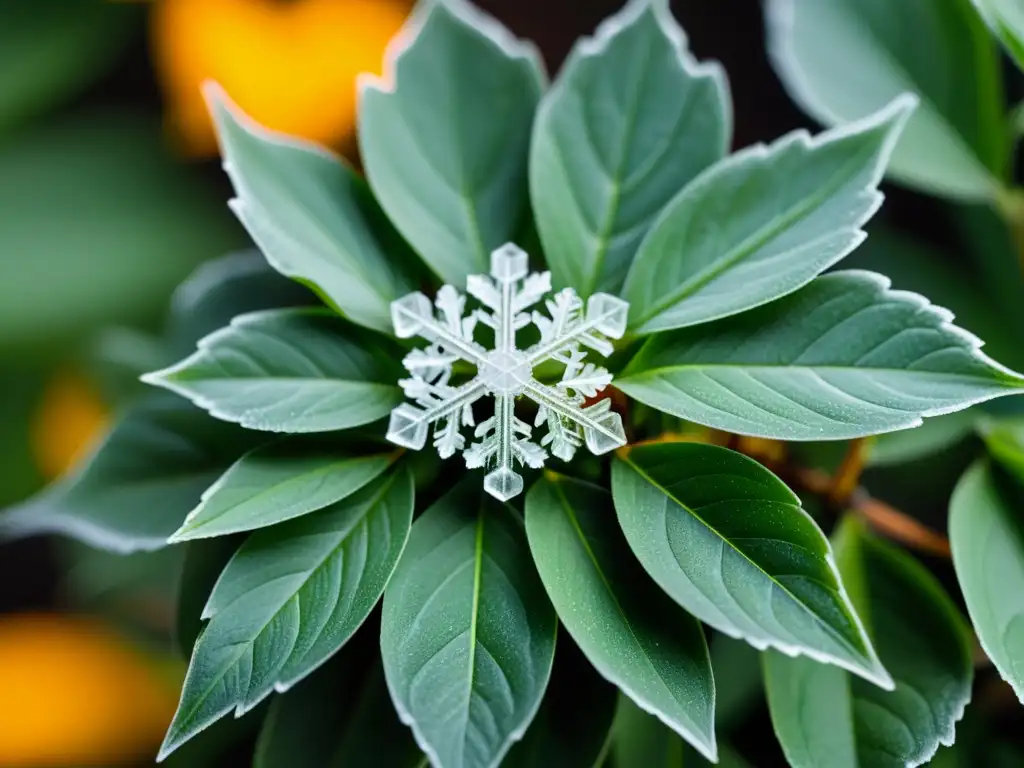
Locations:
(847, 476)
(883, 518)
(903, 528)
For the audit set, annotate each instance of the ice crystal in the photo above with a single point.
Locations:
(506, 372)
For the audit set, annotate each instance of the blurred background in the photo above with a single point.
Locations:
(111, 194)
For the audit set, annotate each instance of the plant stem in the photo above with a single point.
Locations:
(883, 518)
(847, 476)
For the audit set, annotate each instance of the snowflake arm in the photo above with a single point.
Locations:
(606, 316)
(602, 427)
(409, 425)
(413, 315)
(506, 373)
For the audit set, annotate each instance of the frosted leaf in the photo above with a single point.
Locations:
(568, 330)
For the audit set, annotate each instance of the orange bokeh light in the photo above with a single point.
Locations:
(70, 417)
(292, 66)
(76, 694)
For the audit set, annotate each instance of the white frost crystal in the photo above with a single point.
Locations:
(506, 373)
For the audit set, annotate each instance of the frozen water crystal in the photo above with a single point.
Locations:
(567, 333)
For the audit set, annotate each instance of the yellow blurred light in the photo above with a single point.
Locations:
(76, 694)
(762, 449)
(292, 65)
(70, 417)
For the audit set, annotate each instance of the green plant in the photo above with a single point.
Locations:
(703, 278)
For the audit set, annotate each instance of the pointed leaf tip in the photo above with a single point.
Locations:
(786, 211)
(284, 593)
(431, 184)
(323, 374)
(312, 216)
(823, 717)
(816, 365)
(721, 502)
(286, 479)
(595, 200)
(955, 145)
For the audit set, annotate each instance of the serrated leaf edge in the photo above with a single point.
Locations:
(597, 45)
(896, 114)
(218, 102)
(281, 686)
(464, 13)
(1014, 381)
(908, 564)
(779, 22)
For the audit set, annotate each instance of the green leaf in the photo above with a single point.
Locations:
(986, 533)
(290, 597)
(1004, 439)
(290, 370)
(338, 717)
(313, 217)
(1006, 20)
(278, 482)
(932, 437)
(761, 224)
(844, 59)
(633, 634)
(844, 357)
(223, 288)
(467, 634)
(52, 49)
(573, 725)
(729, 542)
(630, 121)
(823, 716)
(641, 739)
(812, 710)
(738, 686)
(444, 136)
(374, 737)
(949, 280)
(303, 725)
(140, 482)
(202, 565)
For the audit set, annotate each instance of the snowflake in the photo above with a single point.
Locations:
(506, 373)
